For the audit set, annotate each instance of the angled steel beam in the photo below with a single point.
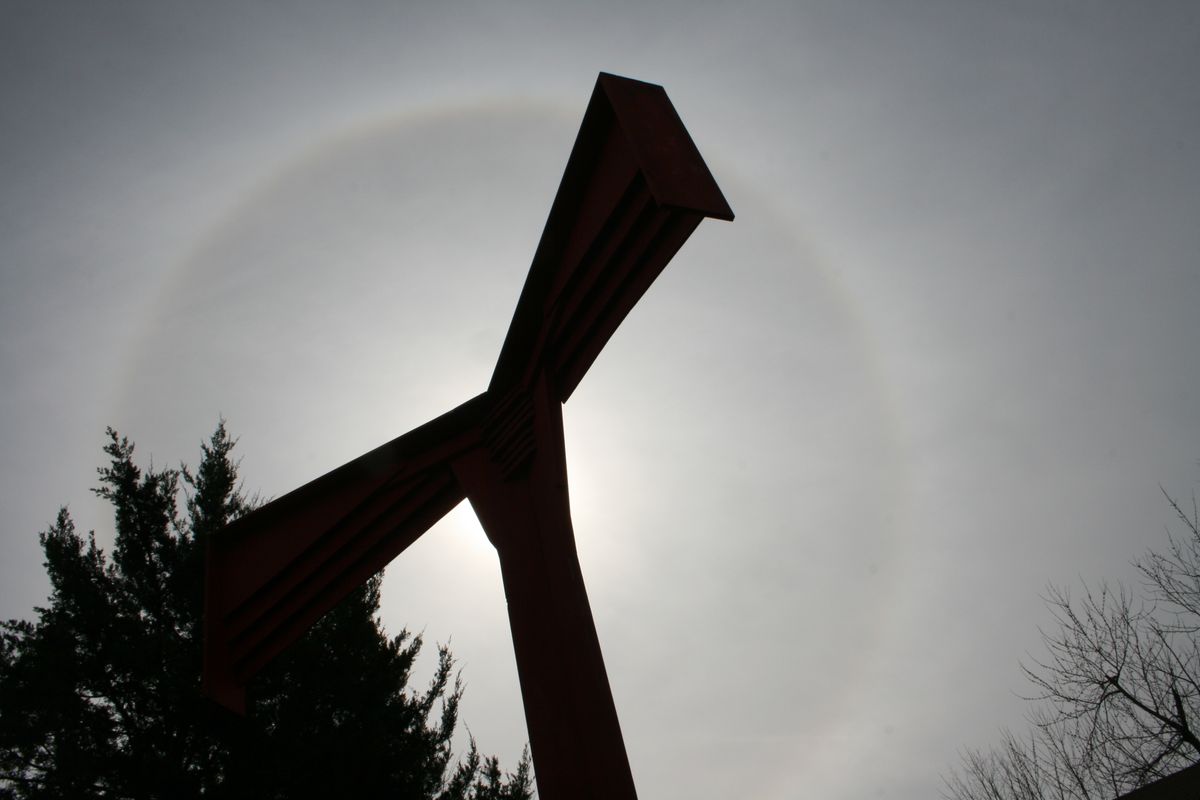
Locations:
(634, 189)
(273, 573)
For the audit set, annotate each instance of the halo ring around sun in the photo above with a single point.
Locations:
(322, 204)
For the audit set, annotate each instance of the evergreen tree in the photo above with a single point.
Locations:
(100, 694)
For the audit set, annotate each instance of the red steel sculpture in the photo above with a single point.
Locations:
(634, 189)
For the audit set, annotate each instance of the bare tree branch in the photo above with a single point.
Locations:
(1116, 691)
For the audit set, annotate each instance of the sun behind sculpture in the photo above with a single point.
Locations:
(634, 190)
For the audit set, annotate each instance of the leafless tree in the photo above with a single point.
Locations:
(1116, 695)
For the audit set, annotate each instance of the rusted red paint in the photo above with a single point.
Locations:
(634, 189)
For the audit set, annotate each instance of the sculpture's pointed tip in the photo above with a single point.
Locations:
(227, 695)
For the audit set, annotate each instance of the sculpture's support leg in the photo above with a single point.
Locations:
(517, 485)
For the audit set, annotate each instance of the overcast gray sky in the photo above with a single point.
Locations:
(945, 355)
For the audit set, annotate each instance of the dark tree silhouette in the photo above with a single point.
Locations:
(100, 694)
(1117, 694)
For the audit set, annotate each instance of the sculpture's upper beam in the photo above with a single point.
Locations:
(634, 189)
